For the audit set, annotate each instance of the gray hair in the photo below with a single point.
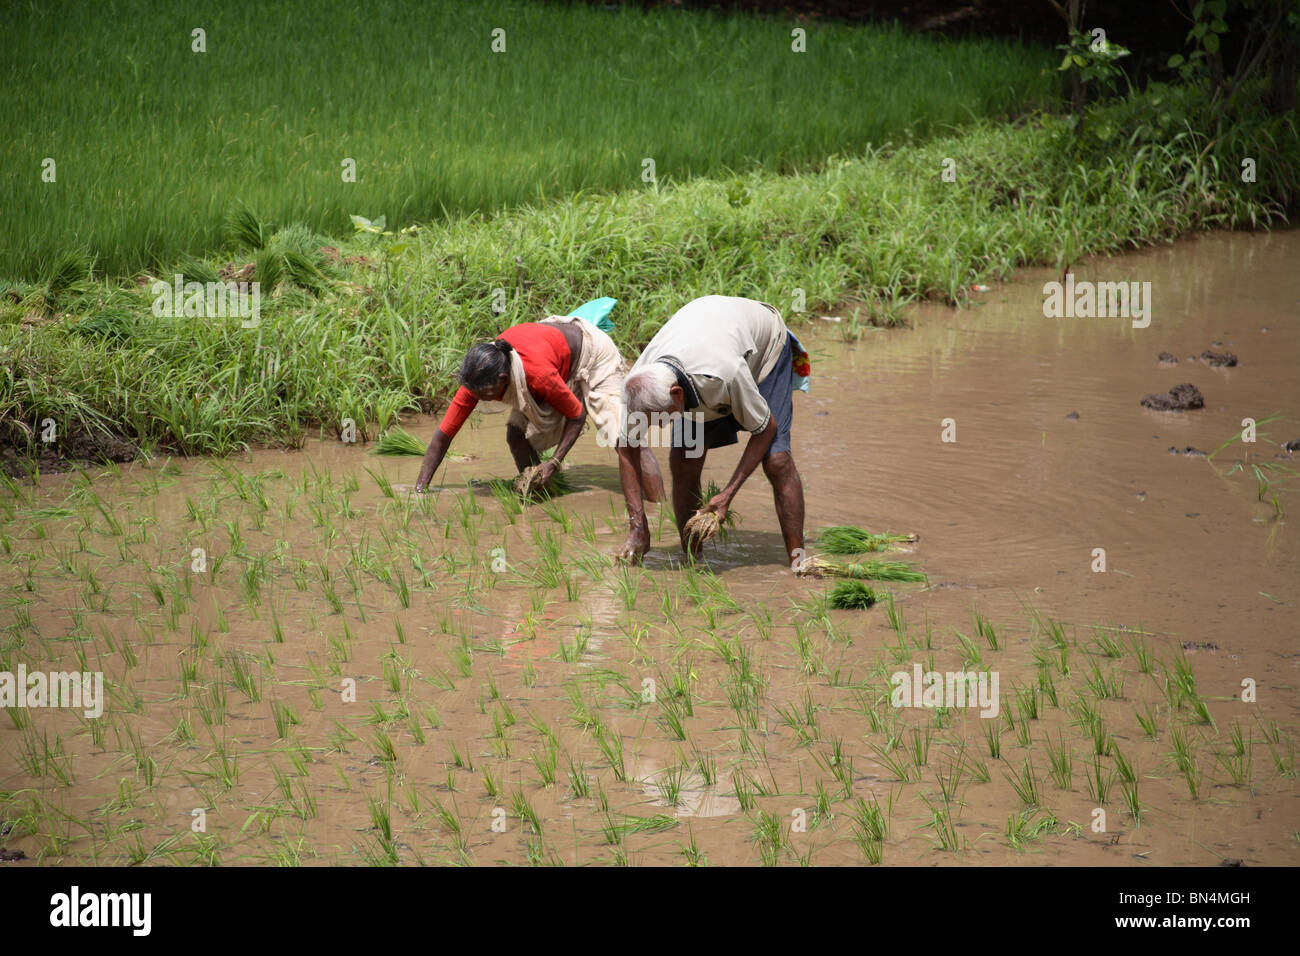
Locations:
(647, 390)
(485, 363)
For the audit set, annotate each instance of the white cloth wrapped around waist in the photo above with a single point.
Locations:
(597, 381)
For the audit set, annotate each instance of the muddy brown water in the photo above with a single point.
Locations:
(514, 682)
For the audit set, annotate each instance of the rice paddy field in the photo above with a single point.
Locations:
(154, 144)
(307, 664)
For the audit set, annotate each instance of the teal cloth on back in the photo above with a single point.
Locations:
(597, 313)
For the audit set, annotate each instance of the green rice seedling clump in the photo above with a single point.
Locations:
(852, 595)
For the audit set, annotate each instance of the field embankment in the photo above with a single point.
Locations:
(367, 328)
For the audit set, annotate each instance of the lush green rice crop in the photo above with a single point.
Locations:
(154, 144)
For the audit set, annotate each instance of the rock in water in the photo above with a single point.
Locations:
(1180, 398)
(1219, 359)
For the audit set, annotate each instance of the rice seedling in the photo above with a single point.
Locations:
(993, 736)
(972, 658)
(870, 828)
(611, 747)
(1061, 761)
(1107, 644)
(983, 627)
(920, 747)
(1099, 782)
(547, 762)
(523, 809)
(669, 783)
(846, 595)
(579, 784)
(1026, 826)
(890, 758)
(1146, 719)
(772, 838)
(743, 790)
(1025, 784)
(693, 854)
(942, 824)
(284, 718)
(451, 822)
(1104, 686)
(1237, 763)
(1129, 788)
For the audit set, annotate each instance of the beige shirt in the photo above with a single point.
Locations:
(726, 346)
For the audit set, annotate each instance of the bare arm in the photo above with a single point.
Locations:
(572, 429)
(755, 449)
(432, 458)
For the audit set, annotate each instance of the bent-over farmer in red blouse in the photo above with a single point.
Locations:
(554, 374)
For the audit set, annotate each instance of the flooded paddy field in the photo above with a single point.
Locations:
(305, 664)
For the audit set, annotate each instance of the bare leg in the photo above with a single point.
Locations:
(652, 479)
(787, 492)
(686, 491)
(521, 449)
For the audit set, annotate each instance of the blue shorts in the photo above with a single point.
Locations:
(777, 389)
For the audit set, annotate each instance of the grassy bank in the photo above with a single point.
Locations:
(385, 331)
(153, 143)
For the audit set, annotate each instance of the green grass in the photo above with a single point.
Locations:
(434, 119)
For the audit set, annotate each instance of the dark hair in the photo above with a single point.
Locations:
(485, 363)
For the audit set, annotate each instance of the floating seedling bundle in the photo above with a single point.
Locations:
(847, 539)
(398, 441)
(870, 570)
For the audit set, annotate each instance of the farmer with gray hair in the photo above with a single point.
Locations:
(554, 374)
(718, 365)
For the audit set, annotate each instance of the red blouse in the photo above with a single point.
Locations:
(545, 354)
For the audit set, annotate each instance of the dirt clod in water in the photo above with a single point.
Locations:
(1166, 358)
(12, 856)
(1189, 451)
(1292, 445)
(1219, 359)
(1180, 399)
(1072, 417)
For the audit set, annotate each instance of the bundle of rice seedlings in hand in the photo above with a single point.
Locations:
(712, 492)
(528, 483)
(846, 539)
(701, 526)
(852, 594)
(872, 570)
(397, 441)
